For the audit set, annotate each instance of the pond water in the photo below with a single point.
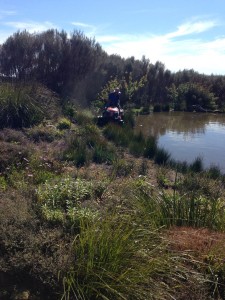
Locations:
(188, 135)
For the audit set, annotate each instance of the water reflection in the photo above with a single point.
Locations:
(188, 135)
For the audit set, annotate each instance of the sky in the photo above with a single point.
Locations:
(182, 34)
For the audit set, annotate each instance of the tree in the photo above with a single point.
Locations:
(17, 57)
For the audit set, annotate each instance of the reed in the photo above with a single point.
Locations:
(115, 258)
(162, 156)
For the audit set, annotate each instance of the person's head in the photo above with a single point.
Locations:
(117, 90)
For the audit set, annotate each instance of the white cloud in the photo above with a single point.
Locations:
(91, 29)
(30, 26)
(6, 13)
(190, 51)
(192, 28)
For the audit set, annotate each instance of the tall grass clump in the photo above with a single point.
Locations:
(150, 147)
(162, 156)
(101, 150)
(129, 119)
(83, 117)
(137, 145)
(20, 106)
(121, 167)
(119, 135)
(196, 200)
(102, 153)
(214, 172)
(114, 258)
(185, 210)
(63, 124)
(197, 165)
(76, 151)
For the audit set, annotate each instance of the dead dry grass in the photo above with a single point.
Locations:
(199, 241)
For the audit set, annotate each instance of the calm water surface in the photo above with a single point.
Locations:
(188, 135)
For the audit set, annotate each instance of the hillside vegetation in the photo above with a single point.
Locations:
(90, 212)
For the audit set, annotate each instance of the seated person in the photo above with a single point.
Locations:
(114, 98)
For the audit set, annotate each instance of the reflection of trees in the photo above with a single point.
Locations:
(188, 124)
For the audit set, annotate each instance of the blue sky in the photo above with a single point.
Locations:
(181, 34)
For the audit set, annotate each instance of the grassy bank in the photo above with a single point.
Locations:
(102, 213)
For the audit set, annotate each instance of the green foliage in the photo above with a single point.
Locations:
(166, 107)
(24, 105)
(109, 87)
(61, 201)
(129, 119)
(137, 145)
(192, 202)
(51, 57)
(63, 124)
(19, 107)
(65, 192)
(43, 133)
(88, 145)
(131, 87)
(103, 154)
(214, 172)
(197, 165)
(84, 117)
(120, 136)
(3, 183)
(162, 156)
(76, 151)
(114, 259)
(150, 147)
(188, 94)
(145, 110)
(184, 210)
(121, 167)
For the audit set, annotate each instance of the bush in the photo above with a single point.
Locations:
(22, 106)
